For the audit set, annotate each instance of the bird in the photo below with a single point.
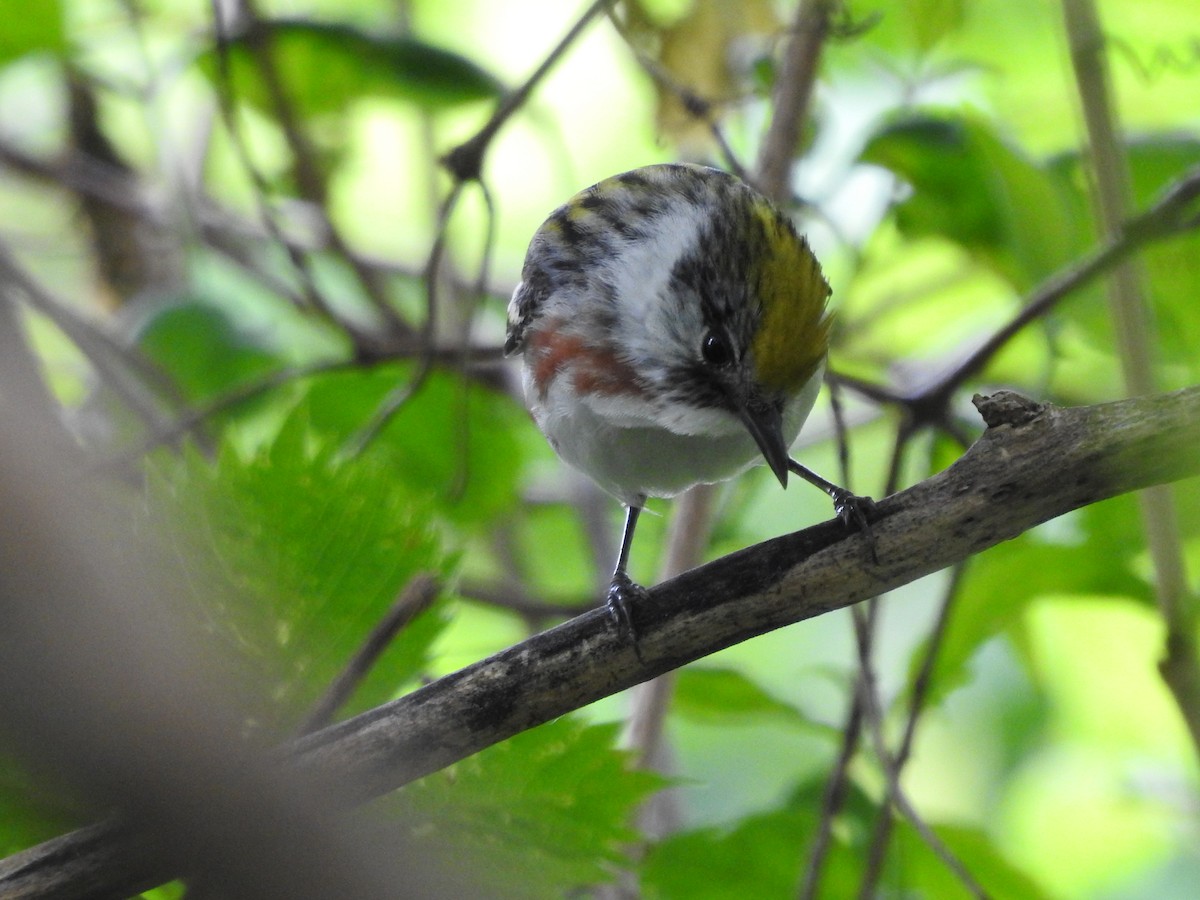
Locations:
(673, 329)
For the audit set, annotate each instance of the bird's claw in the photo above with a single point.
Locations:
(856, 514)
(622, 595)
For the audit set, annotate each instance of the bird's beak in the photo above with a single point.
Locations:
(764, 421)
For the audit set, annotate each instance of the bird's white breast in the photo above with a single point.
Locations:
(633, 455)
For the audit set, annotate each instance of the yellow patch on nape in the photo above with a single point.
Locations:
(793, 335)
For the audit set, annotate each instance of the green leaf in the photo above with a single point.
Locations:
(931, 20)
(31, 812)
(1172, 275)
(293, 556)
(30, 28)
(973, 188)
(555, 553)
(914, 868)
(726, 696)
(452, 441)
(172, 890)
(1097, 560)
(202, 350)
(543, 812)
(762, 855)
(325, 66)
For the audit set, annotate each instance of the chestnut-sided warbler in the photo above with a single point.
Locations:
(673, 329)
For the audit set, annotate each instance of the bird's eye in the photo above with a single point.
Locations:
(716, 350)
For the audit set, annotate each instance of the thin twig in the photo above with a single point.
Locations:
(467, 312)
(861, 704)
(867, 694)
(169, 434)
(877, 393)
(793, 94)
(143, 387)
(520, 603)
(838, 412)
(313, 297)
(1129, 312)
(465, 162)
(309, 175)
(880, 837)
(1176, 211)
(417, 596)
(832, 799)
(695, 105)
(899, 798)
(82, 174)
(224, 230)
(401, 394)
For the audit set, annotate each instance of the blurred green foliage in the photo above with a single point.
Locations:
(542, 813)
(943, 181)
(327, 66)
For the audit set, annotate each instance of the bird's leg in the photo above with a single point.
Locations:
(622, 592)
(853, 510)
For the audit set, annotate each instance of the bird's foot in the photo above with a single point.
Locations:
(623, 594)
(856, 514)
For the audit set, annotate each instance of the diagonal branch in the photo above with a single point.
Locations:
(1175, 211)
(416, 597)
(141, 386)
(465, 162)
(1034, 463)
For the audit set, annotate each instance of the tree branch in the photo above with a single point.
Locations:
(1129, 310)
(465, 162)
(1175, 211)
(1034, 462)
(793, 93)
(417, 596)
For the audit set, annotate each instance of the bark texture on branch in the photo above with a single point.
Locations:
(1033, 463)
(1014, 477)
